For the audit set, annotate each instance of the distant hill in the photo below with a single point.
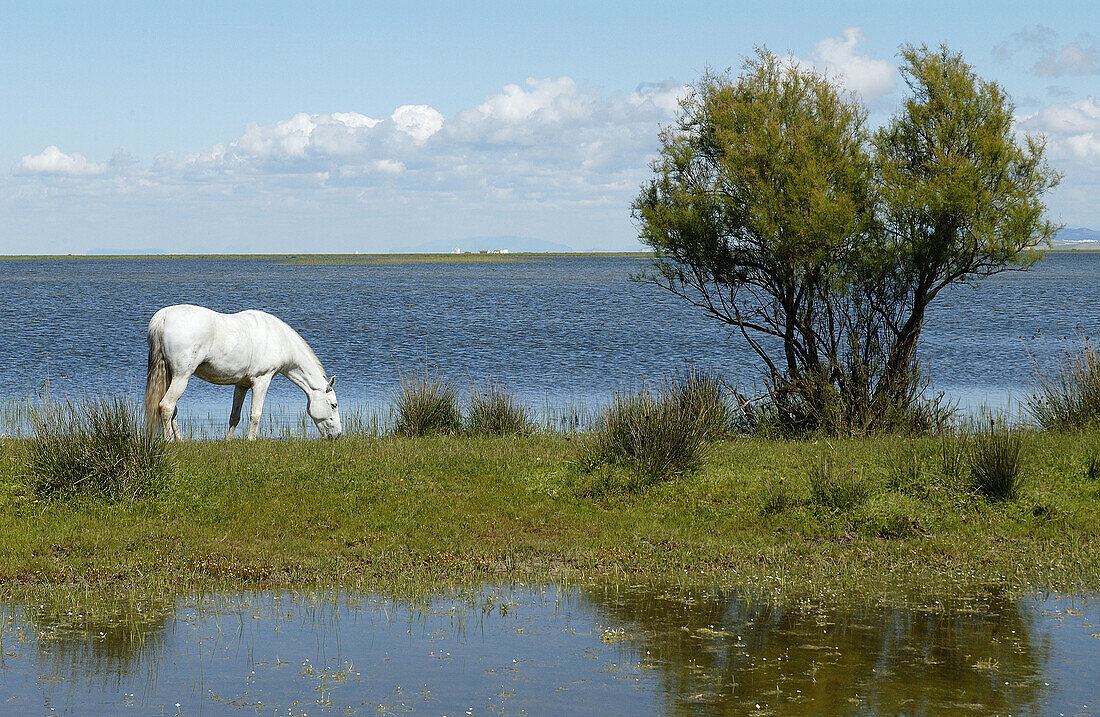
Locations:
(490, 243)
(1076, 238)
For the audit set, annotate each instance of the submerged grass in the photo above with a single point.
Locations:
(412, 516)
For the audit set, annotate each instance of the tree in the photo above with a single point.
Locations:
(961, 197)
(769, 211)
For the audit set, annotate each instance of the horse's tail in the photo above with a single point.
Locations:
(157, 375)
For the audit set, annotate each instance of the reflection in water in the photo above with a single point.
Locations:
(550, 650)
(111, 648)
(734, 656)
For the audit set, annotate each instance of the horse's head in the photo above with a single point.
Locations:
(325, 411)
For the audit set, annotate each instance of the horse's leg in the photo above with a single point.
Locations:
(259, 390)
(168, 406)
(235, 415)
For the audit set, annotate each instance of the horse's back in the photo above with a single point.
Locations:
(220, 347)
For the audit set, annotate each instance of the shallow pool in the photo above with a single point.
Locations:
(552, 650)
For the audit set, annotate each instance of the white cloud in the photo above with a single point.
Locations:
(1072, 130)
(547, 100)
(387, 166)
(1075, 58)
(418, 121)
(1072, 133)
(544, 154)
(837, 57)
(1072, 59)
(53, 161)
(1029, 37)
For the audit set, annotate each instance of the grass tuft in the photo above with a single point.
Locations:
(829, 489)
(699, 396)
(495, 412)
(650, 436)
(775, 496)
(426, 405)
(95, 447)
(953, 451)
(994, 460)
(1070, 398)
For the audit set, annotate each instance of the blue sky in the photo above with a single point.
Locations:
(226, 127)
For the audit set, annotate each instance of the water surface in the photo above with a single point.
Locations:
(564, 330)
(555, 650)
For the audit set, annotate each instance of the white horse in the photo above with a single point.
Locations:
(243, 350)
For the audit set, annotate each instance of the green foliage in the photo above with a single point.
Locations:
(494, 411)
(953, 450)
(994, 460)
(95, 447)
(772, 209)
(649, 438)
(426, 405)
(791, 414)
(961, 196)
(1070, 398)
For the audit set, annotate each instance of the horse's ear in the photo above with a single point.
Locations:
(331, 383)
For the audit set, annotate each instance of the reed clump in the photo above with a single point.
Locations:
(97, 447)
(994, 459)
(426, 405)
(648, 437)
(1070, 397)
(700, 397)
(496, 412)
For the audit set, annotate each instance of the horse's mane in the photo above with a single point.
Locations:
(305, 344)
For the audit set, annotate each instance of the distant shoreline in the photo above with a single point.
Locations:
(376, 258)
(306, 258)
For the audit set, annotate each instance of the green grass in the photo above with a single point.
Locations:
(410, 516)
(995, 461)
(642, 439)
(96, 447)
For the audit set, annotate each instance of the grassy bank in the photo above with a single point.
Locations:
(870, 518)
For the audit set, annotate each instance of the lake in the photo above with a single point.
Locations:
(559, 331)
(518, 649)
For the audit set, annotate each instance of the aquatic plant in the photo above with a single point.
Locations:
(494, 411)
(426, 404)
(1070, 397)
(96, 446)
